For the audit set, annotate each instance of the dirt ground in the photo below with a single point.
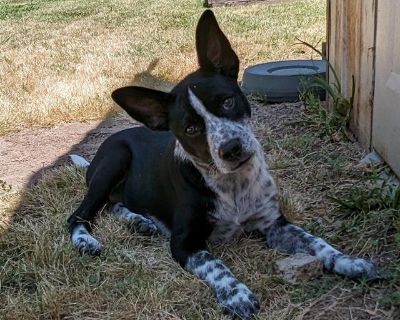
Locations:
(25, 155)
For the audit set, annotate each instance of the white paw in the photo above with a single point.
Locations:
(85, 242)
(238, 300)
(355, 268)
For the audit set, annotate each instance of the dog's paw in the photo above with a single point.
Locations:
(239, 301)
(356, 268)
(143, 225)
(85, 242)
(136, 222)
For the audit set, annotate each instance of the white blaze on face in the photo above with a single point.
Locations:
(221, 130)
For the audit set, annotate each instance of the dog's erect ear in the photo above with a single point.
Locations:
(145, 105)
(214, 51)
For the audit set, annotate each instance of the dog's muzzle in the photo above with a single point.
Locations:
(233, 152)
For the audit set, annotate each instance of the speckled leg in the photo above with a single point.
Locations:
(292, 239)
(233, 295)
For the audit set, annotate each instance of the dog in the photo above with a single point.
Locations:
(196, 173)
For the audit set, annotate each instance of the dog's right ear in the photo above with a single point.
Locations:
(144, 105)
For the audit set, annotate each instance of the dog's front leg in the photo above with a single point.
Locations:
(292, 239)
(234, 297)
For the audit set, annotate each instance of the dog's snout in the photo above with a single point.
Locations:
(231, 150)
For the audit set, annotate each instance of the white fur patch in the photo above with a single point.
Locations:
(222, 130)
(79, 161)
(293, 239)
(355, 267)
(180, 153)
(246, 200)
(340, 263)
(247, 197)
(84, 241)
(163, 230)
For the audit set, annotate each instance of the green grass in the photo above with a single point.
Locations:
(60, 60)
(16, 9)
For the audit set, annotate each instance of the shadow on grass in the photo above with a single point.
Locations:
(113, 122)
(34, 242)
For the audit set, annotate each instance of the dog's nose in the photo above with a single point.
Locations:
(231, 150)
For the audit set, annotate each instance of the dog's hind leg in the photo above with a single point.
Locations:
(136, 222)
(292, 239)
(103, 175)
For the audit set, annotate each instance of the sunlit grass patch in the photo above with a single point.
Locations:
(60, 60)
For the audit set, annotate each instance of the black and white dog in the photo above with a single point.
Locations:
(197, 173)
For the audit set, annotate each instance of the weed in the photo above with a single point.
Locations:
(337, 118)
(376, 194)
(371, 214)
(313, 290)
(338, 163)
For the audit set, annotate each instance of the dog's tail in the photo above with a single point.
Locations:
(79, 161)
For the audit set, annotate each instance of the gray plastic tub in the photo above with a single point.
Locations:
(281, 81)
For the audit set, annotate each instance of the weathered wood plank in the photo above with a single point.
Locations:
(351, 50)
(386, 124)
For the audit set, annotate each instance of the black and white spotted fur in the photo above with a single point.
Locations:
(196, 174)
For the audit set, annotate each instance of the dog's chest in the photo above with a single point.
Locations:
(246, 201)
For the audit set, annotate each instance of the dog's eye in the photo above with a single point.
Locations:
(228, 104)
(192, 130)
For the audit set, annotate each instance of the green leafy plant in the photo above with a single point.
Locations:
(338, 117)
(370, 208)
(380, 195)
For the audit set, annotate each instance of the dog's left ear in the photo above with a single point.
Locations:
(145, 105)
(214, 51)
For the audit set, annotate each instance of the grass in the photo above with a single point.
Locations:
(42, 276)
(60, 60)
(335, 118)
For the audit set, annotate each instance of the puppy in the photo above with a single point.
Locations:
(197, 174)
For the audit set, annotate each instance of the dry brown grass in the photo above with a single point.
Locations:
(42, 276)
(59, 60)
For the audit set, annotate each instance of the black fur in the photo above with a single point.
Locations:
(137, 166)
(198, 170)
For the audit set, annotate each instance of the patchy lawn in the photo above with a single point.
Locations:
(42, 275)
(59, 60)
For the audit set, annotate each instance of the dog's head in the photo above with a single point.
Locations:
(206, 111)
